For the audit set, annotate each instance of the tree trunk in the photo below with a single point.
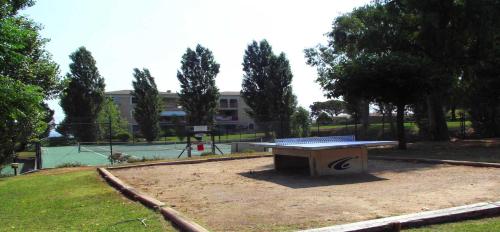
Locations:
(383, 124)
(453, 113)
(365, 116)
(400, 120)
(391, 125)
(437, 122)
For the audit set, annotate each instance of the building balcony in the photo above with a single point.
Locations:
(226, 118)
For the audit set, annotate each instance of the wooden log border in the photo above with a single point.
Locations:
(177, 219)
(436, 161)
(196, 161)
(474, 211)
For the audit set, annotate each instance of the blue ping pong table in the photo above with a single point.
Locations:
(323, 155)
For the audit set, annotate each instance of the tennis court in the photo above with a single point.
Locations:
(97, 154)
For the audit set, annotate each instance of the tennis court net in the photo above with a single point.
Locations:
(123, 147)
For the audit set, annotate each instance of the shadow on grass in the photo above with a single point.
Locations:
(299, 178)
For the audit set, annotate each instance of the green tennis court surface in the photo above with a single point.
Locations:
(8, 170)
(97, 154)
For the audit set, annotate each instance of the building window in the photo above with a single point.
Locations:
(227, 115)
(233, 103)
(134, 100)
(169, 103)
(223, 103)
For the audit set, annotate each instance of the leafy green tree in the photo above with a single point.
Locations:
(440, 37)
(49, 115)
(199, 94)
(22, 50)
(82, 98)
(266, 88)
(323, 118)
(481, 72)
(148, 107)
(301, 122)
(281, 94)
(331, 107)
(371, 58)
(21, 117)
(10, 8)
(255, 85)
(110, 112)
(23, 56)
(179, 128)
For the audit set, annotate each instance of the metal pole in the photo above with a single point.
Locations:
(461, 125)
(189, 145)
(317, 123)
(110, 138)
(212, 136)
(38, 152)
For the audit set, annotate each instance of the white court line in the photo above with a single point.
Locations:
(97, 153)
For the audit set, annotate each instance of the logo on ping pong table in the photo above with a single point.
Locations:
(341, 164)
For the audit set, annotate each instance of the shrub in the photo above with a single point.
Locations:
(70, 165)
(118, 157)
(5, 175)
(123, 136)
(143, 159)
(206, 153)
(58, 141)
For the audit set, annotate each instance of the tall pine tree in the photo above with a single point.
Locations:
(148, 106)
(256, 63)
(199, 94)
(267, 89)
(83, 96)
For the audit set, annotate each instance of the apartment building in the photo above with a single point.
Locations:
(231, 110)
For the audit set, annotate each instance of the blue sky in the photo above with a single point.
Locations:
(154, 34)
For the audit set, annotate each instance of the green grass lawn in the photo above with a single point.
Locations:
(70, 200)
(483, 225)
(26, 154)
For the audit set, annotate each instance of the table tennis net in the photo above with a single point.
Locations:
(311, 140)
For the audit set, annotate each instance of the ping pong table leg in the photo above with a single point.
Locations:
(312, 165)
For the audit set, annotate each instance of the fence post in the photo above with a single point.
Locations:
(189, 144)
(212, 137)
(356, 128)
(110, 139)
(317, 124)
(462, 124)
(38, 155)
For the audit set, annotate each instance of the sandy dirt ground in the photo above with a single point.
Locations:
(248, 195)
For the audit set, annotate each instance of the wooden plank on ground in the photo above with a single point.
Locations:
(478, 210)
(437, 161)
